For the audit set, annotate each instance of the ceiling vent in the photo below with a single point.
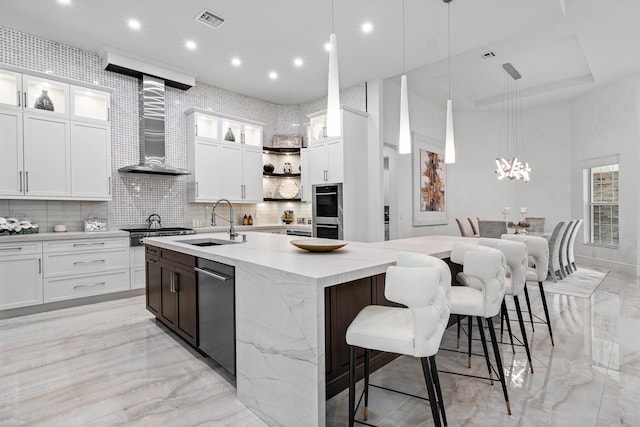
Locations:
(208, 18)
(488, 55)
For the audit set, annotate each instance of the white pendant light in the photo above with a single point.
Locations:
(404, 141)
(333, 97)
(449, 145)
(404, 138)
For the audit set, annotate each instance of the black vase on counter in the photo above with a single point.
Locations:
(43, 102)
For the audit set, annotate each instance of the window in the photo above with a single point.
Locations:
(603, 205)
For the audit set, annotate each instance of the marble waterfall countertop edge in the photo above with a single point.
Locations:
(273, 251)
(68, 235)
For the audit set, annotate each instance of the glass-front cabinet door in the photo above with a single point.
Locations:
(206, 126)
(253, 135)
(45, 95)
(10, 89)
(231, 131)
(318, 128)
(90, 104)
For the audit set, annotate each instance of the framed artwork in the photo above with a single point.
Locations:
(429, 176)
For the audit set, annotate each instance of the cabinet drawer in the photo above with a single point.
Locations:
(177, 257)
(83, 286)
(85, 244)
(62, 264)
(20, 248)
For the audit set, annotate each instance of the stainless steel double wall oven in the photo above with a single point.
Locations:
(327, 211)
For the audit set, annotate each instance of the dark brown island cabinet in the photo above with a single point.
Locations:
(172, 293)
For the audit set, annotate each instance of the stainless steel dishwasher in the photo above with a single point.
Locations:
(217, 312)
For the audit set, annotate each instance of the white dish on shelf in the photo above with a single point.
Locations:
(318, 245)
(288, 189)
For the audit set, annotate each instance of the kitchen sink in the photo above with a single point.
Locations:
(208, 242)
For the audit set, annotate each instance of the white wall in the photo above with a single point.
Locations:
(472, 187)
(604, 123)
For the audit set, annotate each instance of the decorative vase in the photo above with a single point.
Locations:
(268, 168)
(43, 102)
(229, 136)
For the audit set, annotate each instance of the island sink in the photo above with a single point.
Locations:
(207, 242)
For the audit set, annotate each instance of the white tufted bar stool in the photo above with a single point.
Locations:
(538, 250)
(423, 284)
(517, 259)
(481, 296)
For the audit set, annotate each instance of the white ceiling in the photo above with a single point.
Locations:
(560, 55)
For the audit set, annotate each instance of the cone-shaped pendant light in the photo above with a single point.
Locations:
(404, 139)
(334, 125)
(404, 142)
(449, 146)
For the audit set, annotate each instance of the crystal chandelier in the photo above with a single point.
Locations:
(510, 166)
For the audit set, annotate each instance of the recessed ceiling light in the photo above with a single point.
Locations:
(327, 47)
(298, 62)
(134, 24)
(64, 1)
(273, 75)
(367, 27)
(191, 45)
(236, 61)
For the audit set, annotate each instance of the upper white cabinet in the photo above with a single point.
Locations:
(225, 155)
(328, 154)
(47, 162)
(90, 104)
(10, 90)
(45, 95)
(56, 138)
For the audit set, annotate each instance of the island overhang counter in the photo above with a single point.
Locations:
(280, 319)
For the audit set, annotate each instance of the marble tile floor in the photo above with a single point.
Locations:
(110, 364)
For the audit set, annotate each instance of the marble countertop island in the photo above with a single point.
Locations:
(280, 354)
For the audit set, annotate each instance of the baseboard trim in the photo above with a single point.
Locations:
(41, 308)
(617, 266)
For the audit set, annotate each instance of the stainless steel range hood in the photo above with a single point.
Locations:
(152, 135)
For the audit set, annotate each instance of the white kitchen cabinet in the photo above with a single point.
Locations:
(21, 273)
(306, 169)
(327, 162)
(34, 88)
(11, 161)
(343, 160)
(223, 168)
(206, 185)
(90, 105)
(137, 266)
(90, 161)
(45, 155)
(47, 161)
(84, 267)
(10, 90)
(241, 172)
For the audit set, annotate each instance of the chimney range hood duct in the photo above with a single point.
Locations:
(152, 135)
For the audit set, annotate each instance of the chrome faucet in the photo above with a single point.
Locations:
(154, 221)
(232, 230)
